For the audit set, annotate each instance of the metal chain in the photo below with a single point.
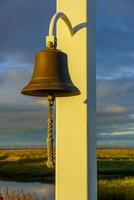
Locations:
(50, 146)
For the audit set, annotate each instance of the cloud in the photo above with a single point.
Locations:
(120, 133)
(115, 72)
(115, 92)
(20, 114)
(115, 109)
(1, 79)
(24, 25)
(115, 44)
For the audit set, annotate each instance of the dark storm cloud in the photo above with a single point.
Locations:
(24, 25)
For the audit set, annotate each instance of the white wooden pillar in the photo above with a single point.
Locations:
(75, 116)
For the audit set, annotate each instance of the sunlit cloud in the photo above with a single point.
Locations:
(114, 109)
(122, 133)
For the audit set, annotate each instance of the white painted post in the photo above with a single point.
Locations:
(75, 116)
(91, 92)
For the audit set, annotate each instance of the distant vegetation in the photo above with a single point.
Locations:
(25, 165)
(115, 174)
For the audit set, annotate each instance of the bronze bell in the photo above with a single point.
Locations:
(51, 75)
(50, 79)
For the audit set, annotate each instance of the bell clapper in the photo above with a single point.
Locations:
(50, 145)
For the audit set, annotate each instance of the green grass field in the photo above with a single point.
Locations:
(115, 162)
(115, 170)
(115, 174)
(25, 165)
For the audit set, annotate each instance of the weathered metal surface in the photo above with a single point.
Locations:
(51, 75)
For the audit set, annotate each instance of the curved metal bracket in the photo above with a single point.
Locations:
(54, 20)
(51, 40)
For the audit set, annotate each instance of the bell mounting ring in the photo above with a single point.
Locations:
(51, 41)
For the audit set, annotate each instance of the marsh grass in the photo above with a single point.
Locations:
(115, 162)
(9, 194)
(115, 174)
(25, 165)
(116, 189)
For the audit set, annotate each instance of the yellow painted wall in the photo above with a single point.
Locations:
(71, 112)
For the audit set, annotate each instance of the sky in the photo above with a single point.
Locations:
(23, 27)
(115, 72)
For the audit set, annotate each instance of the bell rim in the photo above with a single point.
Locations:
(39, 91)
